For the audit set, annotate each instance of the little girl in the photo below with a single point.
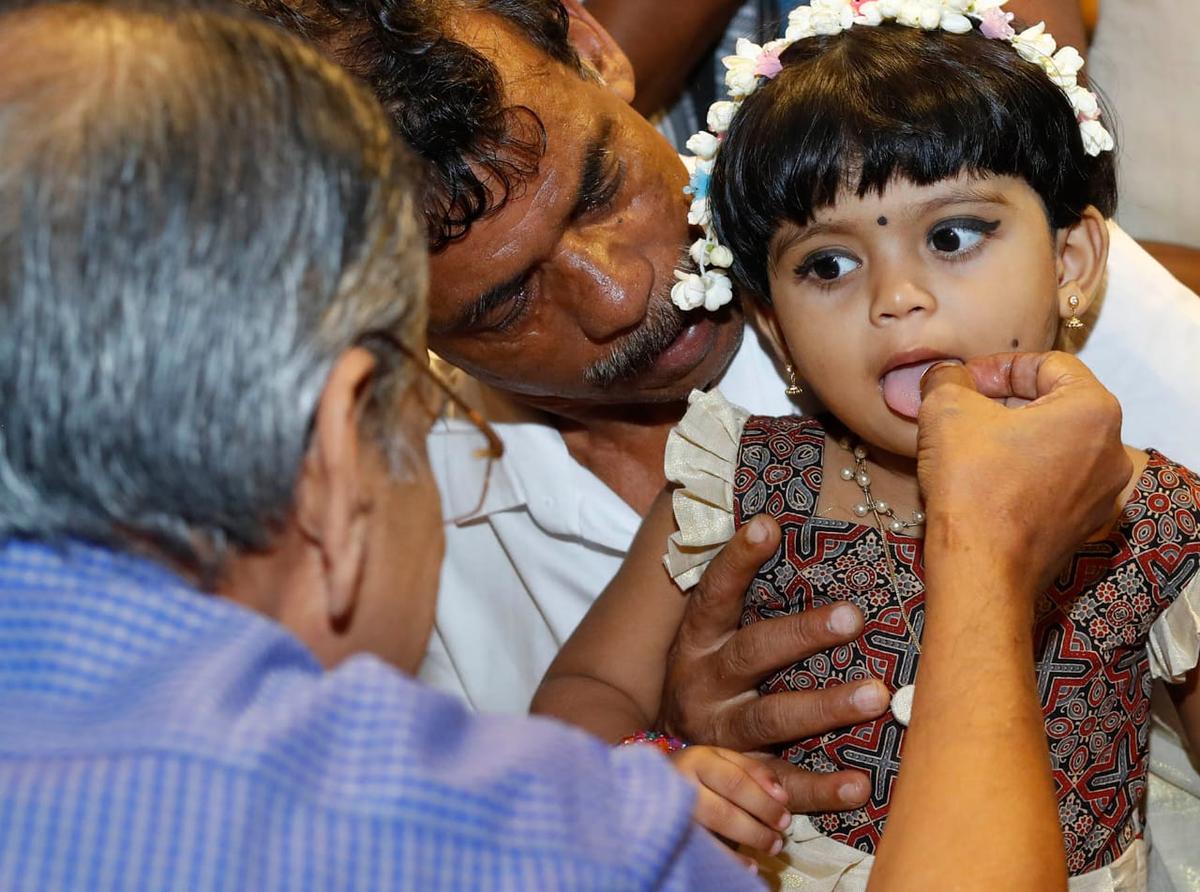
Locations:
(895, 184)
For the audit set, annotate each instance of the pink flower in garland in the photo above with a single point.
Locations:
(995, 25)
(768, 65)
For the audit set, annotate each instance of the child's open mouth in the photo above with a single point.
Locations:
(900, 382)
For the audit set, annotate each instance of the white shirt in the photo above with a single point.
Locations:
(520, 575)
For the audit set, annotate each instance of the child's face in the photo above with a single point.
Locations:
(875, 288)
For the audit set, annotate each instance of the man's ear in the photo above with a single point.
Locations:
(1082, 260)
(597, 47)
(333, 501)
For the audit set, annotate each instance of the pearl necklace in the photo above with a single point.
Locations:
(885, 514)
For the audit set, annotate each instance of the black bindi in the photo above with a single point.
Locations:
(882, 221)
(1016, 343)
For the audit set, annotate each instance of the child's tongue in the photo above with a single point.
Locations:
(902, 388)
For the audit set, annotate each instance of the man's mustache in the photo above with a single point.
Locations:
(639, 350)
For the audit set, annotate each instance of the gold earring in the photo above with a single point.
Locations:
(1074, 323)
(793, 388)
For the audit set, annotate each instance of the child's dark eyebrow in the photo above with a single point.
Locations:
(800, 234)
(969, 195)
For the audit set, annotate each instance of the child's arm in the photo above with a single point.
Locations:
(609, 675)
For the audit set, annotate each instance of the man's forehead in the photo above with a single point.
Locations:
(526, 228)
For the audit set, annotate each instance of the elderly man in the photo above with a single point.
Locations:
(556, 217)
(213, 486)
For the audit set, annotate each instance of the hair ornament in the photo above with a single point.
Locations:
(752, 64)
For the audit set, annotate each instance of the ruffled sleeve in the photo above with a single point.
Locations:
(1174, 644)
(702, 455)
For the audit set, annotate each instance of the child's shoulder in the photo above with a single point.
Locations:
(1161, 489)
(713, 421)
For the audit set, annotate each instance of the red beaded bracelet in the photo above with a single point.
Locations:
(664, 742)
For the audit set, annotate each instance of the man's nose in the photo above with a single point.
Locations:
(900, 295)
(608, 283)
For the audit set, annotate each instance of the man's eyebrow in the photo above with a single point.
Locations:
(595, 170)
(479, 308)
(597, 160)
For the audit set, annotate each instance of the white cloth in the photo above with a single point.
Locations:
(815, 863)
(519, 577)
(1146, 60)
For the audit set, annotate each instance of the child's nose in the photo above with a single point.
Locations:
(899, 298)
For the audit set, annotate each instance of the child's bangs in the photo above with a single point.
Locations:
(855, 112)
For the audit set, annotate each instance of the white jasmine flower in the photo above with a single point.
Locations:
(718, 290)
(1064, 67)
(698, 213)
(1034, 44)
(740, 78)
(1095, 138)
(703, 145)
(955, 23)
(869, 14)
(1085, 103)
(923, 14)
(706, 252)
(688, 292)
(721, 256)
(800, 24)
(720, 114)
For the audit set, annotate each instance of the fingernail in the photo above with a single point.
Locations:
(777, 846)
(936, 365)
(757, 534)
(785, 822)
(753, 867)
(778, 792)
(870, 697)
(844, 620)
(850, 792)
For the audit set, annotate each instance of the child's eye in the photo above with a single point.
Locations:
(828, 266)
(959, 237)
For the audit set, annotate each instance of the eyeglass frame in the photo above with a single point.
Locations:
(494, 450)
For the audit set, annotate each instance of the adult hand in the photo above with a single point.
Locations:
(1022, 486)
(711, 695)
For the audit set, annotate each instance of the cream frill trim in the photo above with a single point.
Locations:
(816, 863)
(702, 455)
(1174, 645)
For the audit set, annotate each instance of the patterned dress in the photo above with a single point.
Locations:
(1093, 625)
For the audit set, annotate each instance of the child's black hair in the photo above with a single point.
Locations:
(873, 104)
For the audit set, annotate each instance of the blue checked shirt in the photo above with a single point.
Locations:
(152, 737)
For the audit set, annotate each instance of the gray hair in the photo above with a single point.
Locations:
(198, 214)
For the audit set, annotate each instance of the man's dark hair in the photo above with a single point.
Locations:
(198, 215)
(870, 105)
(445, 97)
